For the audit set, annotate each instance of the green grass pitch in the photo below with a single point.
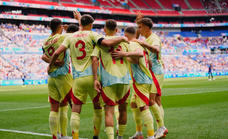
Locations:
(195, 108)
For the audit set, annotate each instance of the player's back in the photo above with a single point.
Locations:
(50, 45)
(156, 59)
(112, 70)
(140, 71)
(81, 45)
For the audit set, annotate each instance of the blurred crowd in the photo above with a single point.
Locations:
(13, 66)
(213, 8)
(30, 65)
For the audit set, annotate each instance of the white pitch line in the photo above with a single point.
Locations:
(25, 108)
(25, 132)
(31, 108)
(195, 92)
(30, 133)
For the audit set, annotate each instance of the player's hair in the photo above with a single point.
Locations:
(146, 21)
(72, 28)
(110, 24)
(54, 24)
(130, 30)
(86, 19)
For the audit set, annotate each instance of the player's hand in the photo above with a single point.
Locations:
(97, 86)
(77, 15)
(138, 41)
(139, 16)
(65, 27)
(59, 63)
(118, 54)
(125, 39)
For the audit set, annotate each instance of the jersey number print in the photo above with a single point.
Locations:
(82, 49)
(112, 50)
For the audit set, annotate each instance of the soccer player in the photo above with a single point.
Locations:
(60, 79)
(153, 44)
(142, 85)
(63, 107)
(81, 45)
(210, 73)
(114, 87)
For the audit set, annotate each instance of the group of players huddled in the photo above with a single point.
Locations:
(100, 69)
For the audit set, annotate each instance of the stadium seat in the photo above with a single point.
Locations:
(153, 4)
(196, 4)
(169, 13)
(145, 12)
(194, 13)
(104, 3)
(140, 4)
(120, 11)
(81, 6)
(66, 1)
(168, 3)
(38, 2)
(84, 2)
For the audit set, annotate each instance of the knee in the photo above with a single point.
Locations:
(151, 102)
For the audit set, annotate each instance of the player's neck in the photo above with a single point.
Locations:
(148, 34)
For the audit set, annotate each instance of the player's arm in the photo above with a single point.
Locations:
(150, 64)
(153, 48)
(137, 53)
(77, 16)
(46, 59)
(55, 56)
(112, 42)
(95, 64)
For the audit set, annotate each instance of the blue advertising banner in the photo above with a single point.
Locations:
(20, 82)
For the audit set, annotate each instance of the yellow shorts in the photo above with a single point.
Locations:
(81, 88)
(141, 94)
(157, 83)
(59, 88)
(116, 93)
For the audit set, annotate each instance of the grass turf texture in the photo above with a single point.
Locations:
(195, 108)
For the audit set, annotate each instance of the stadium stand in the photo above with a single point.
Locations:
(84, 2)
(120, 11)
(168, 3)
(145, 12)
(195, 13)
(141, 4)
(153, 4)
(104, 3)
(171, 13)
(66, 1)
(196, 4)
(38, 2)
(81, 6)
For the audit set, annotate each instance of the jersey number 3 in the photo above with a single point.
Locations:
(82, 49)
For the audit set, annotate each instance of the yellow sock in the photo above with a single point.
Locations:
(148, 120)
(117, 114)
(97, 120)
(63, 120)
(157, 114)
(137, 118)
(53, 121)
(74, 123)
(110, 132)
(162, 113)
(121, 130)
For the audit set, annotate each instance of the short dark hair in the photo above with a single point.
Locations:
(72, 28)
(130, 30)
(54, 24)
(146, 21)
(110, 24)
(86, 19)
